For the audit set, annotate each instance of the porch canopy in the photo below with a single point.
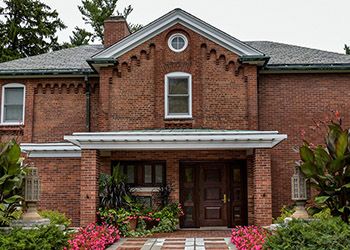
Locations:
(176, 139)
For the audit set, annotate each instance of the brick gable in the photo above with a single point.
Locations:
(135, 88)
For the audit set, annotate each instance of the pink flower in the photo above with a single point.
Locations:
(94, 237)
(249, 237)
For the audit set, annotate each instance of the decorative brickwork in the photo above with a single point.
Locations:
(221, 87)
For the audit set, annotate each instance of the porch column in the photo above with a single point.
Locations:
(262, 187)
(89, 173)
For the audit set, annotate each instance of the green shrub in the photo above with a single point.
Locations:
(317, 234)
(50, 237)
(164, 220)
(323, 214)
(286, 211)
(56, 218)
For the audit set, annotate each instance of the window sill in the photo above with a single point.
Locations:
(145, 189)
(172, 118)
(11, 124)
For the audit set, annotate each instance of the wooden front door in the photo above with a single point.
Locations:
(213, 195)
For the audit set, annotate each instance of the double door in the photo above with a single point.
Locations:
(213, 193)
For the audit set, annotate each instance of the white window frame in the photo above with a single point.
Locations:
(166, 93)
(177, 35)
(12, 85)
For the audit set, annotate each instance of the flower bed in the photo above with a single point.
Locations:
(249, 237)
(139, 222)
(94, 237)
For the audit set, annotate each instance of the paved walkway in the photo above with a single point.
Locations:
(173, 243)
(183, 239)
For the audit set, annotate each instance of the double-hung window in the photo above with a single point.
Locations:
(12, 108)
(178, 95)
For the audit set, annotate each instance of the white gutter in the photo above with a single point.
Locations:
(51, 150)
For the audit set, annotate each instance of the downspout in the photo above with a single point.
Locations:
(88, 101)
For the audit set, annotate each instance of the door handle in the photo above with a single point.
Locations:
(224, 199)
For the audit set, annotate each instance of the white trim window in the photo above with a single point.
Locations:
(178, 95)
(177, 42)
(12, 104)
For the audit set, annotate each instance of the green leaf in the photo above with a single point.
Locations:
(336, 165)
(306, 154)
(322, 158)
(3, 178)
(308, 169)
(13, 199)
(13, 169)
(333, 134)
(14, 154)
(321, 199)
(314, 210)
(346, 185)
(2, 207)
(341, 144)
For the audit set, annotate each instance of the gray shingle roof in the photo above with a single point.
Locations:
(281, 53)
(65, 60)
(74, 59)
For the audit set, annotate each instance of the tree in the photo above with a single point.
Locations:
(80, 37)
(327, 167)
(95, 12)
(28, 28)
(347, 49)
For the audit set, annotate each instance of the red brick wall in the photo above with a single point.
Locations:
(60, 185)
(261, 173)
(222, 88)
(289, 103)
(89, 173)
(54, 107)
(115, 30)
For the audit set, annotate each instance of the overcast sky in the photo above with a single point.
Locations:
(321, 24)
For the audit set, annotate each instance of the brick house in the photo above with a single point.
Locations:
(178, 102)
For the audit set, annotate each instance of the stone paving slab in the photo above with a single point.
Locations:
(173, 243)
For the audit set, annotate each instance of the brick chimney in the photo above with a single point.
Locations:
(115, 29)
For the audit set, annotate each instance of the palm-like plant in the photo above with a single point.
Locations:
(328, 170)
(12, 173)
(114, 192)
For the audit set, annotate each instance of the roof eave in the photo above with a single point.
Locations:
(176, 141)
(305, 68)
(43, 72)
(168, 20)
(97, 63)
(255, 60)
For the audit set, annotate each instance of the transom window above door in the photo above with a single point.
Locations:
(178, 95)
(12, 107)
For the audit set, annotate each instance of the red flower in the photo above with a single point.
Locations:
(337, 115)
